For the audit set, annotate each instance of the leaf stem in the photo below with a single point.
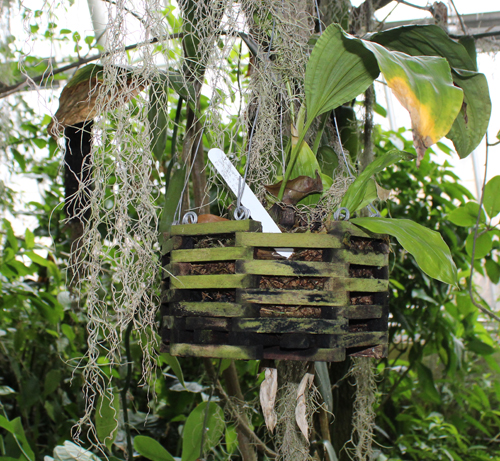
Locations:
(293, 158)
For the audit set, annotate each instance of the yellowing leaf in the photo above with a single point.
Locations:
(424, 86)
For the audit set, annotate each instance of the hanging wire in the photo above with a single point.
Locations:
(177, 213)
(348, 167)
(240, 210)
(319, 17)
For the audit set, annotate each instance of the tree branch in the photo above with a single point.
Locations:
(8, 90)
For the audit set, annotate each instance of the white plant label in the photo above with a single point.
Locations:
(248, 199)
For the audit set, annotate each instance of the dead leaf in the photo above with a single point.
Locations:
(383, 194)
(298, 188)
(206, 218)
(77, 102)
(268, 390)
(301, 408)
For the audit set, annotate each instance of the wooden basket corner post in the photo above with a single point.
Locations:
(228, 294)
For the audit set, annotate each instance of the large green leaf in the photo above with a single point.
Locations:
(339, 69)
(426, 40)
(472, 122)
(353, 198)
(491, 198)
(191, 437)
(151, 449)
(427, 246)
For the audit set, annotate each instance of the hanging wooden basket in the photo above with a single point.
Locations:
(227, 294)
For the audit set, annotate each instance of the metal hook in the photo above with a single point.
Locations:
(241, 212)
(337, 215)
(373, 212)
(190, 218)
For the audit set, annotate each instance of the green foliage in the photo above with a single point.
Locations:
(448, 359)
(151, 449)
(427, 246)
(353, 198)
(206, 415)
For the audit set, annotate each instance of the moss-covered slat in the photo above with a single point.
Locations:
(222, 227)
(292, 268)
(224, 352)
(207, 323)
(305, 240)
(281, 325)
(364, 259)
(368, 285)
(363, 312)
(211, 254)
(292, 297)
(317, 355)
(364, 338)
(221, 282)
(214, 309)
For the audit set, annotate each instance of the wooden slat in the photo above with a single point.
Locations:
(317, 355)
(224, 352)
(211, 254)
(368, 259)
(223, 227)
(363, 312)
(281, 325)
(368, 285)
(288, 240)
(214, 309)
(222, 281)
(207, 323)
(292, 268)
(292, 297)
(364, 338)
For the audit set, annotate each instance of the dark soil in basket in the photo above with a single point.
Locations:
(361, 299)
(219, 240)
(292, 283)
(290, 311)
(224, 267)
(308, 255)
(218, 296)
(367, 245)
(361, 272)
